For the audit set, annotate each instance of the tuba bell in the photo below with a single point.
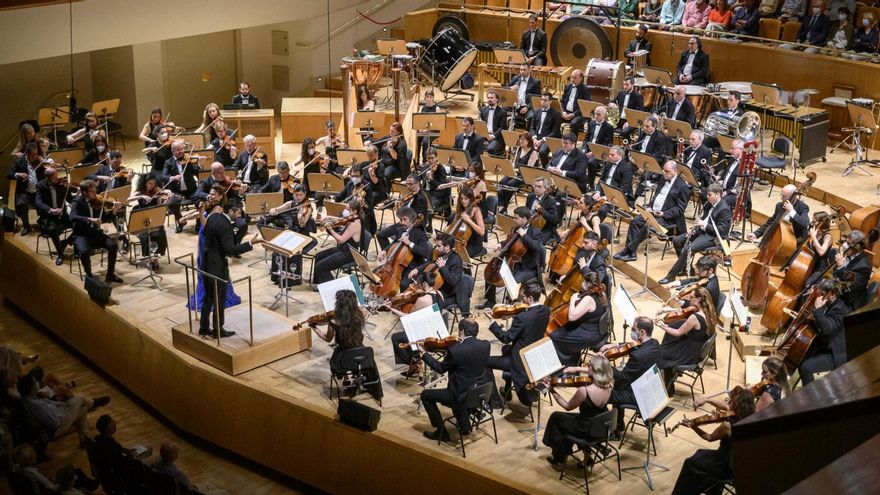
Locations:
(746, 127)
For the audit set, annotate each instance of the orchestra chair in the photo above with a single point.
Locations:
(479, 412)
(463, 292)
(44, 236)
(789, 31)
(777, 161)
(75, 258)
(637, 420)
(596, 447)
(722, 298)
(356, 361)
(606, 328)
(694, 372)
(769, 28)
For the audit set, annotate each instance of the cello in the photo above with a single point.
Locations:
(398, 258)
(866, 219)
(460, 229)
(513, 250)
(571, 282)
(777, 245)
(800, 334)
(559, 317)
(562, 258)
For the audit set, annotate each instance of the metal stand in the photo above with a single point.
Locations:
(151, 275)
(857, 160)
(538, 426)
(649, 424)
(645, 288)
(285, 275)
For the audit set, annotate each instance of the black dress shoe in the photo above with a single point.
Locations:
(101, 401)
(628, 258)
(666, 280)
(621, 254)
(204, 332)
(438, 434)
(25, 231)
(59, 261)
(178, 229)
(113, 279)
(226, 333)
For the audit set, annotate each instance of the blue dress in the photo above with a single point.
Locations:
(232, 299)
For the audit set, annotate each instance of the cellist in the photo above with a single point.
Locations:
(450, 267)
(789, 208)
(585, 310)
(411, 234)
(467, 210)
(830, 343)
(530, 266)
(858, 262)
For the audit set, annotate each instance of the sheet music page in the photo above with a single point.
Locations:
(510, 283)
(424, 323)
(289, 240)
(625, 305)
(650, 392)
(739, 309)
(328, 290)
(542, 360)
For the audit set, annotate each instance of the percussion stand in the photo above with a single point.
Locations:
(857, 159)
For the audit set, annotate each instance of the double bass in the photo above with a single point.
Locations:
(571, 282)
(866, 219)
(398, 257)
(777, 245)
(562, 258)
(512, 250)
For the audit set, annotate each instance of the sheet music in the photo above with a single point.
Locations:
(735, 300)
(541, 360)
(650, 393)
(424, 323)
(289, 241)
(328, 290)
(510, 283)
(625, 305)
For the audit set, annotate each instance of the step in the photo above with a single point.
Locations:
(324, 92)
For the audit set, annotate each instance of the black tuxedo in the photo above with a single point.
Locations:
(860, 265)
(596, 262)
(685, 113)
(251, 99)
(538, 47)
(635, 102)
(673, 208)
(699, 69)
(550, 213)
(24, 199)
(256, 177)
(50, 224)
(421, 250)
(526, 328)
(657, 145)
(830, 344)
(604, 136)
(467, 364)
(699, 160)
(635, 45)
(580, 92)
(551, 127)
(640, 360)
(800, 222)
(219, 244)
(190, 176)
(621, 178)
(532, 263)
(702, 239)
(499, 123)
(107, 171)
(87, 236)
(533, 87)
(274, 185)
(451, 273)
(574, 167)
(475, 145)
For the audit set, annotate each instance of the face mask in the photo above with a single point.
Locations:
(841, 17)
(163, 137)
(355, 180)
(817, 11)
(100, 149)
(866, 22)
(472, 174)
(346, 212)
(634, 335)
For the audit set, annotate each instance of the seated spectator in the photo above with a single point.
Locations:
(866, 36)
(814, 29)
(696, 14)
(835, 5)
(71, 479)
(840, 36)
(767, 8)
(25, 460)
(651, 11)
(745, 19)
(720, 17)
(106, 449)
(629, 8)
(671, 13)
(792, 10)
(168, 453)
(59, 417)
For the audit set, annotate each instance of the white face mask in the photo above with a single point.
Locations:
(866, 22)
(817, 11)
(841, 17)
(100, 148)
(472, 174)
(634, 335)
(346, 212)
(355, 180)
(163, 137)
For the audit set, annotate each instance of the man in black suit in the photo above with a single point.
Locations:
(570, 163)
(640, 360)
(525, 86)
(693, 67)
(652, 142)
(526, 328)
(715, 223)
(111, 175)
(618, 173)
(698, 157)
(791, 209)
(450, 268)
(51, 201)
(588, 259)
(731, 111)
(626, 99)
(495, 118)
(244, 96)
(233, 196)
(540, 198)
(181, 177)
(410, 234)
(639, 43)
(467, 364)
(546, 123)
(679, 107)
(668, 206)
(727, 171)
(575, 90)
(392, 154)
(468, 140)
(219, 244)
(534, 43)
(830, 345)
(531, 265)
(87, 233)
(814, 30)
(858, 264)
(599, 131)
(253, 173)
(26, 171)
(706, 266)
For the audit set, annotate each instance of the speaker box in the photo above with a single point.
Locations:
(358, 415)
(7, 219)
(98, 290)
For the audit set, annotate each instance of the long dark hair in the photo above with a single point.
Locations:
(349, 319)
(708, 309)
(591, 280)
(304, 154)
(142, 185)
(468, 193)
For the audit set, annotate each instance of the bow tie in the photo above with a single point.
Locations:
(543, 111)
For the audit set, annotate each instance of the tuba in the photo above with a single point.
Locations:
(746, 127)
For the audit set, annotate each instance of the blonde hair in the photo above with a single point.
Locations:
(602, 375)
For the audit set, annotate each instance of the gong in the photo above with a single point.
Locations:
(577, 40)
(451, 21)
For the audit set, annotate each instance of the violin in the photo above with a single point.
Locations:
(433, 344)
(562, 381)
(687, 290)
(680, 315)
(122, 173)
(621, 350)
(718, 416)
(758, 388)
(315, 320)
(228, 142)
(405, 300)
(340, 222)
(500, 311)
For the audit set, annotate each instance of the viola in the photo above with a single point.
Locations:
(315, 320)
(719, 416)
(758, 388)
(500, 311)
(560, 316)
(340, 222)
(563, 381)
(621, 350)
(676, 316)
(513, 250)
(398, 257)
(405, 300)
(690, 288)
(433, 344)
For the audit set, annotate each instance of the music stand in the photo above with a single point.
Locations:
(766, 94)
(148, 219)
(506, 95)
(347, 158)
(78, 174)
(498, 166)
(391, 47)
(536, 103)
(553, 144)
(267, 232)
(261, 203)
(599, 151)
(105, 110)
(654, 228)
(480, 127)
(688, 176)
(363, 266)
(454, 157)
(565, 185)
(514, 56)
(645, 162)
(429, 124)
(196, 140)
(324, 184)
(636, 116)
(531, 173)
(657, 76)
(285, 244)
(120, 194)
(863, 121)
(726, 142)
(367, 120)
(588, 107)
(511, 138)
(65, 157)
(677, 129)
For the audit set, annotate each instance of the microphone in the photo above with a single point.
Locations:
(71, 115)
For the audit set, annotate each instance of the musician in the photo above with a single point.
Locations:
(729, 176)
(27, 172)
(88, 133)
(424, 142)
(539, 198)
(469, 141)
(859, 264)
(526, 328)
(51, 202)
(449, 267)
(158, 150)
(531, 264)
(645, 355)
(365, 102)
(180, 176)
(149, 195)
(628, 98)
(546, 123)
(668, 206)
(534, 43)
(331, 142)
(639, 43)
(575, 90)
(684, 340)
(280, 182)
(87, 234)
(525, 86)
(693, 67)
(333, 258)
(774, 374)
(244, 96)
(705, 269)
(210, 116)
(435, 177)
(618, 173)
(698, 157)
(112, 175)
(586, 217)
(98, 154)
(570, 163)
(473, 219)
(599, 131)
(495, 118)
(745, 18)
(299, 217)
(150, 130)
(26, 134)
(424, 283)
(410, 231)
(420, 202)
(829, 347)
(392, 154)
(253, 172)
(591, 401)
(680, 108)
(525, 155)
(821, 243)
(790, 209)
(223, 145)
(704, 470)
(585, 312)
(651, 142)
(715, 223)
(466, 364)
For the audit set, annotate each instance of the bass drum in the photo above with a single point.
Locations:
(605, 79)
(447, 59)
(577, 40)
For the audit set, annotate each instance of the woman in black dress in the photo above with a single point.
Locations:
(148, 195)
(474, 220)
(585, 310)
(334, 258)
(821, 243)
(591, 400)
(684, 340)
(525, 154)
(158, 150)
(430, 297)
(702, 471)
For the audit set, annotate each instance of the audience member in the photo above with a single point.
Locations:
(866, 36)
(745, 19)
(696, 14)
(720, 17)
(168, 453)
(61, 418)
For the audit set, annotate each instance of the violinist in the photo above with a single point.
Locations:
(244, 96)
(858, 263)
(88, 132)
(526, 328)
(424, 285)
(223, 145)
(684, 339)
(210, 116)
(27, 172)
(181, 178)
(585, 311)
(618, 173)
(392, 154)
(346, 235)
(86, 217)
(365, 177)
(791, 209)
(281, 182)
(51, 201)
(706, 468)
(300, 220)
(466, 364)
(97, 154)
(590, 400)
(644, 356)
(469, 141)
(425, 142)
(149, 195)
(158, 151)
(540, 198)
(111, 174)
(821, 243)
(331, 142)
(310, 160)
(252, 166)
(26, 134)
(150, 130)
(715, 223)
(531, 265)
(829, 347)
(234, 191)
(410, 232)
(450, 268)
(570, 163)
(282, 216)
(772, 388)
(525, 155)
(435, 177)
(496, 119)
(706, 267)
